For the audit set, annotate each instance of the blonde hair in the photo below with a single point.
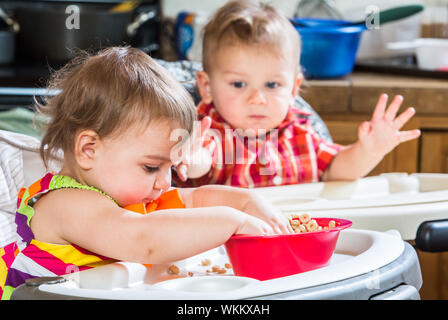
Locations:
(249, 23)
(108, 92)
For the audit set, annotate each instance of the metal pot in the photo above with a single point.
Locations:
(54, 32)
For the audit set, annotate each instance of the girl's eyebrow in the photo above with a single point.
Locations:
(157, 157)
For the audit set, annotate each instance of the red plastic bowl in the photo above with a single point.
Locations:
(274, 256)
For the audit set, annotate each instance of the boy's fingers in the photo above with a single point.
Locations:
(378, 113)
(364, 128)
(205, 125)
(391, 112)
(200, 131)
(408, 135)
(403, 118)
(182, 172)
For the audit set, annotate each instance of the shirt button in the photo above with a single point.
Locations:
(277, 180)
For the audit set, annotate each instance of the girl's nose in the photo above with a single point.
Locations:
(256, 97)
(163, 180)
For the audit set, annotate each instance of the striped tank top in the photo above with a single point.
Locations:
(29, 258)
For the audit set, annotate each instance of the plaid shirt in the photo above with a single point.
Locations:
(292, 154)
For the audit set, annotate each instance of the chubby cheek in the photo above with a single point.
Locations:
(133, 191)
(229, 107)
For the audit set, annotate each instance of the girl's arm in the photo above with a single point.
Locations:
(95, 223)
(237, 198)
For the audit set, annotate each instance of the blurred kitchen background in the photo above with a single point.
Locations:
(170, 29)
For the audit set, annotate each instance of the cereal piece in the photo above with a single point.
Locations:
(304, 218)
(302, 228)
(294, 223)
(331, 224)
(190, 274)
(214, 268)
(296, 229)
(221, 271)
(173, 269)
(206, 262)
(311, 225)
(218, 269)
(228, 266)
(294, 216)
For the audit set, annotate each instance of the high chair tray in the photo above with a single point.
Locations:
(388, 201)
(365, 264)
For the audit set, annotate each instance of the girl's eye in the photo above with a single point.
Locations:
(151, 169)
(238, 84)
(272, 84)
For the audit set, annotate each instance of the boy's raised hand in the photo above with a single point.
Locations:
(382, 133)
(191, 165)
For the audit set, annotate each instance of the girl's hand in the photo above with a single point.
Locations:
(263, 209)
(381, 134)
(197, 161)
(253, 225)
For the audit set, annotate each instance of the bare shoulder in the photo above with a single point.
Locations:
(59, 209)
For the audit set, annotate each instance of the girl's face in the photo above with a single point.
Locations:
(134, 167)
(252, 88)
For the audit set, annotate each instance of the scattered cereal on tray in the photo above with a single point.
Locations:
(206, 262)
(173, 269)
(218, 269)
(228, 266)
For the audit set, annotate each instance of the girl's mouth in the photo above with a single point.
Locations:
(257, 117)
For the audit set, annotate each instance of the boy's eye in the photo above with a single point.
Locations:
(272, 84)
(238, 84)
(151, 169)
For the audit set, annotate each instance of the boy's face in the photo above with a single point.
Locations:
(134, 167)
(251, 88)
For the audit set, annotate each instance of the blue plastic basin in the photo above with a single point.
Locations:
(329, 47)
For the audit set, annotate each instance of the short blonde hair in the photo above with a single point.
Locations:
(108, 92)
(249, 23)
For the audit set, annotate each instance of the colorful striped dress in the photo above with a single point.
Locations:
(30, 258)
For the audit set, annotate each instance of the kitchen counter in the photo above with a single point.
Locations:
(359, 91)
(344, 103)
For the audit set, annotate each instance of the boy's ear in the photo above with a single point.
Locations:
(86, 147)
(203, 81)
(297, 84)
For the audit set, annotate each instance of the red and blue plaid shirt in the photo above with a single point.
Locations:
(293, 153)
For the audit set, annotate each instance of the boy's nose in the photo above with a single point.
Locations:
(256, 97)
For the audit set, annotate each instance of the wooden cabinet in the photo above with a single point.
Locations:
(345, 103)
(435, 144)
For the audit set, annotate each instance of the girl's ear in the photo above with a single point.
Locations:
(297, 84)
(86, 147)
(203, 81)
